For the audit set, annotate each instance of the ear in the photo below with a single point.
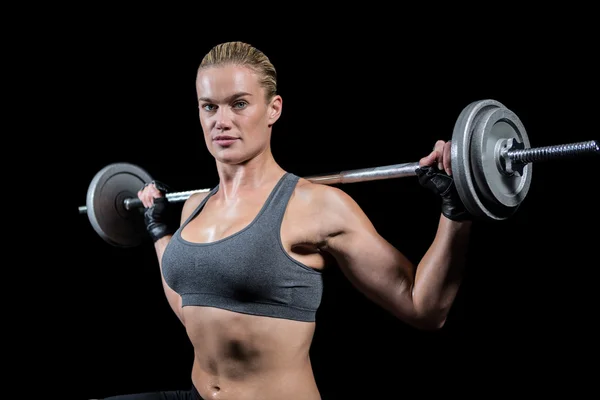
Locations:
(274, 110)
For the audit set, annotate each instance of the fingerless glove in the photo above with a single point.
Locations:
(443, 184)
(157, 216)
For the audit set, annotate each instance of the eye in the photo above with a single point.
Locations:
(240, 104)
(208, 107)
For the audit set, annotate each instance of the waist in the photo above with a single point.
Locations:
(235, 350)
(293, 382)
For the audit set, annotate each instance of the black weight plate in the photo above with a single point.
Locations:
(105, 204)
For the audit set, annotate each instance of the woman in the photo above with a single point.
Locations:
(243, 270)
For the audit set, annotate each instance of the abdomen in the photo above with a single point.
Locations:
(249, 356)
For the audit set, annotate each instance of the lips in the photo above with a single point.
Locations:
(224, 140)
(224, 137)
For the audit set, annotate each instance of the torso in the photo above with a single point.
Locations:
(247, 357)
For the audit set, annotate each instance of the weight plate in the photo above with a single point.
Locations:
(501, 194)
(105, 204)
(461, 155)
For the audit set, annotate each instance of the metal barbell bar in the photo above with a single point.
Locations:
(518, 156)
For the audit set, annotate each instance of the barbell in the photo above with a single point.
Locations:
(491, 160)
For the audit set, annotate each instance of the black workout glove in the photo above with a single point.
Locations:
(157, 217)
(443, 184)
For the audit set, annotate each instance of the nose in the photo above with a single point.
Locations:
(223, 119)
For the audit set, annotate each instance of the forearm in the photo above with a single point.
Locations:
(439, 273)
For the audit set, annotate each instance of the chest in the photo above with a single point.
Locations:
(217, 220)
(249, 263)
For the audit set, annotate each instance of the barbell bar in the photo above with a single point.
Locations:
(491, 160)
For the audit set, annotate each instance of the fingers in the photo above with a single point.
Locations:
(440, 157)
(446, 158)
(144, 197)
(148, 193)
(439, 148)
(428, 160)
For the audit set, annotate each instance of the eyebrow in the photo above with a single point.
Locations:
(227, 100)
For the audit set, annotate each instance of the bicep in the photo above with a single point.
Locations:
(372, 264)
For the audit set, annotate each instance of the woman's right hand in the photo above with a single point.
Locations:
(153, 197)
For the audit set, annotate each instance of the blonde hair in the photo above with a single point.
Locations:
(243, 54)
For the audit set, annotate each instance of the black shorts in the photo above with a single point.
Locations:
(191, 394)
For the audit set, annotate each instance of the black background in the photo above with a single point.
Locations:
(525, 316)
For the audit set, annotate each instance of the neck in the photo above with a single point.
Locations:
(248, 176)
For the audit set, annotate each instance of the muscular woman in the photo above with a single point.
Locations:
(243, 271)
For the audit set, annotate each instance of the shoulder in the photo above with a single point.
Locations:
(192, 203)
(321, 195)
(330, 204)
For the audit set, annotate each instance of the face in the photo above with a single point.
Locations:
(234, 114)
